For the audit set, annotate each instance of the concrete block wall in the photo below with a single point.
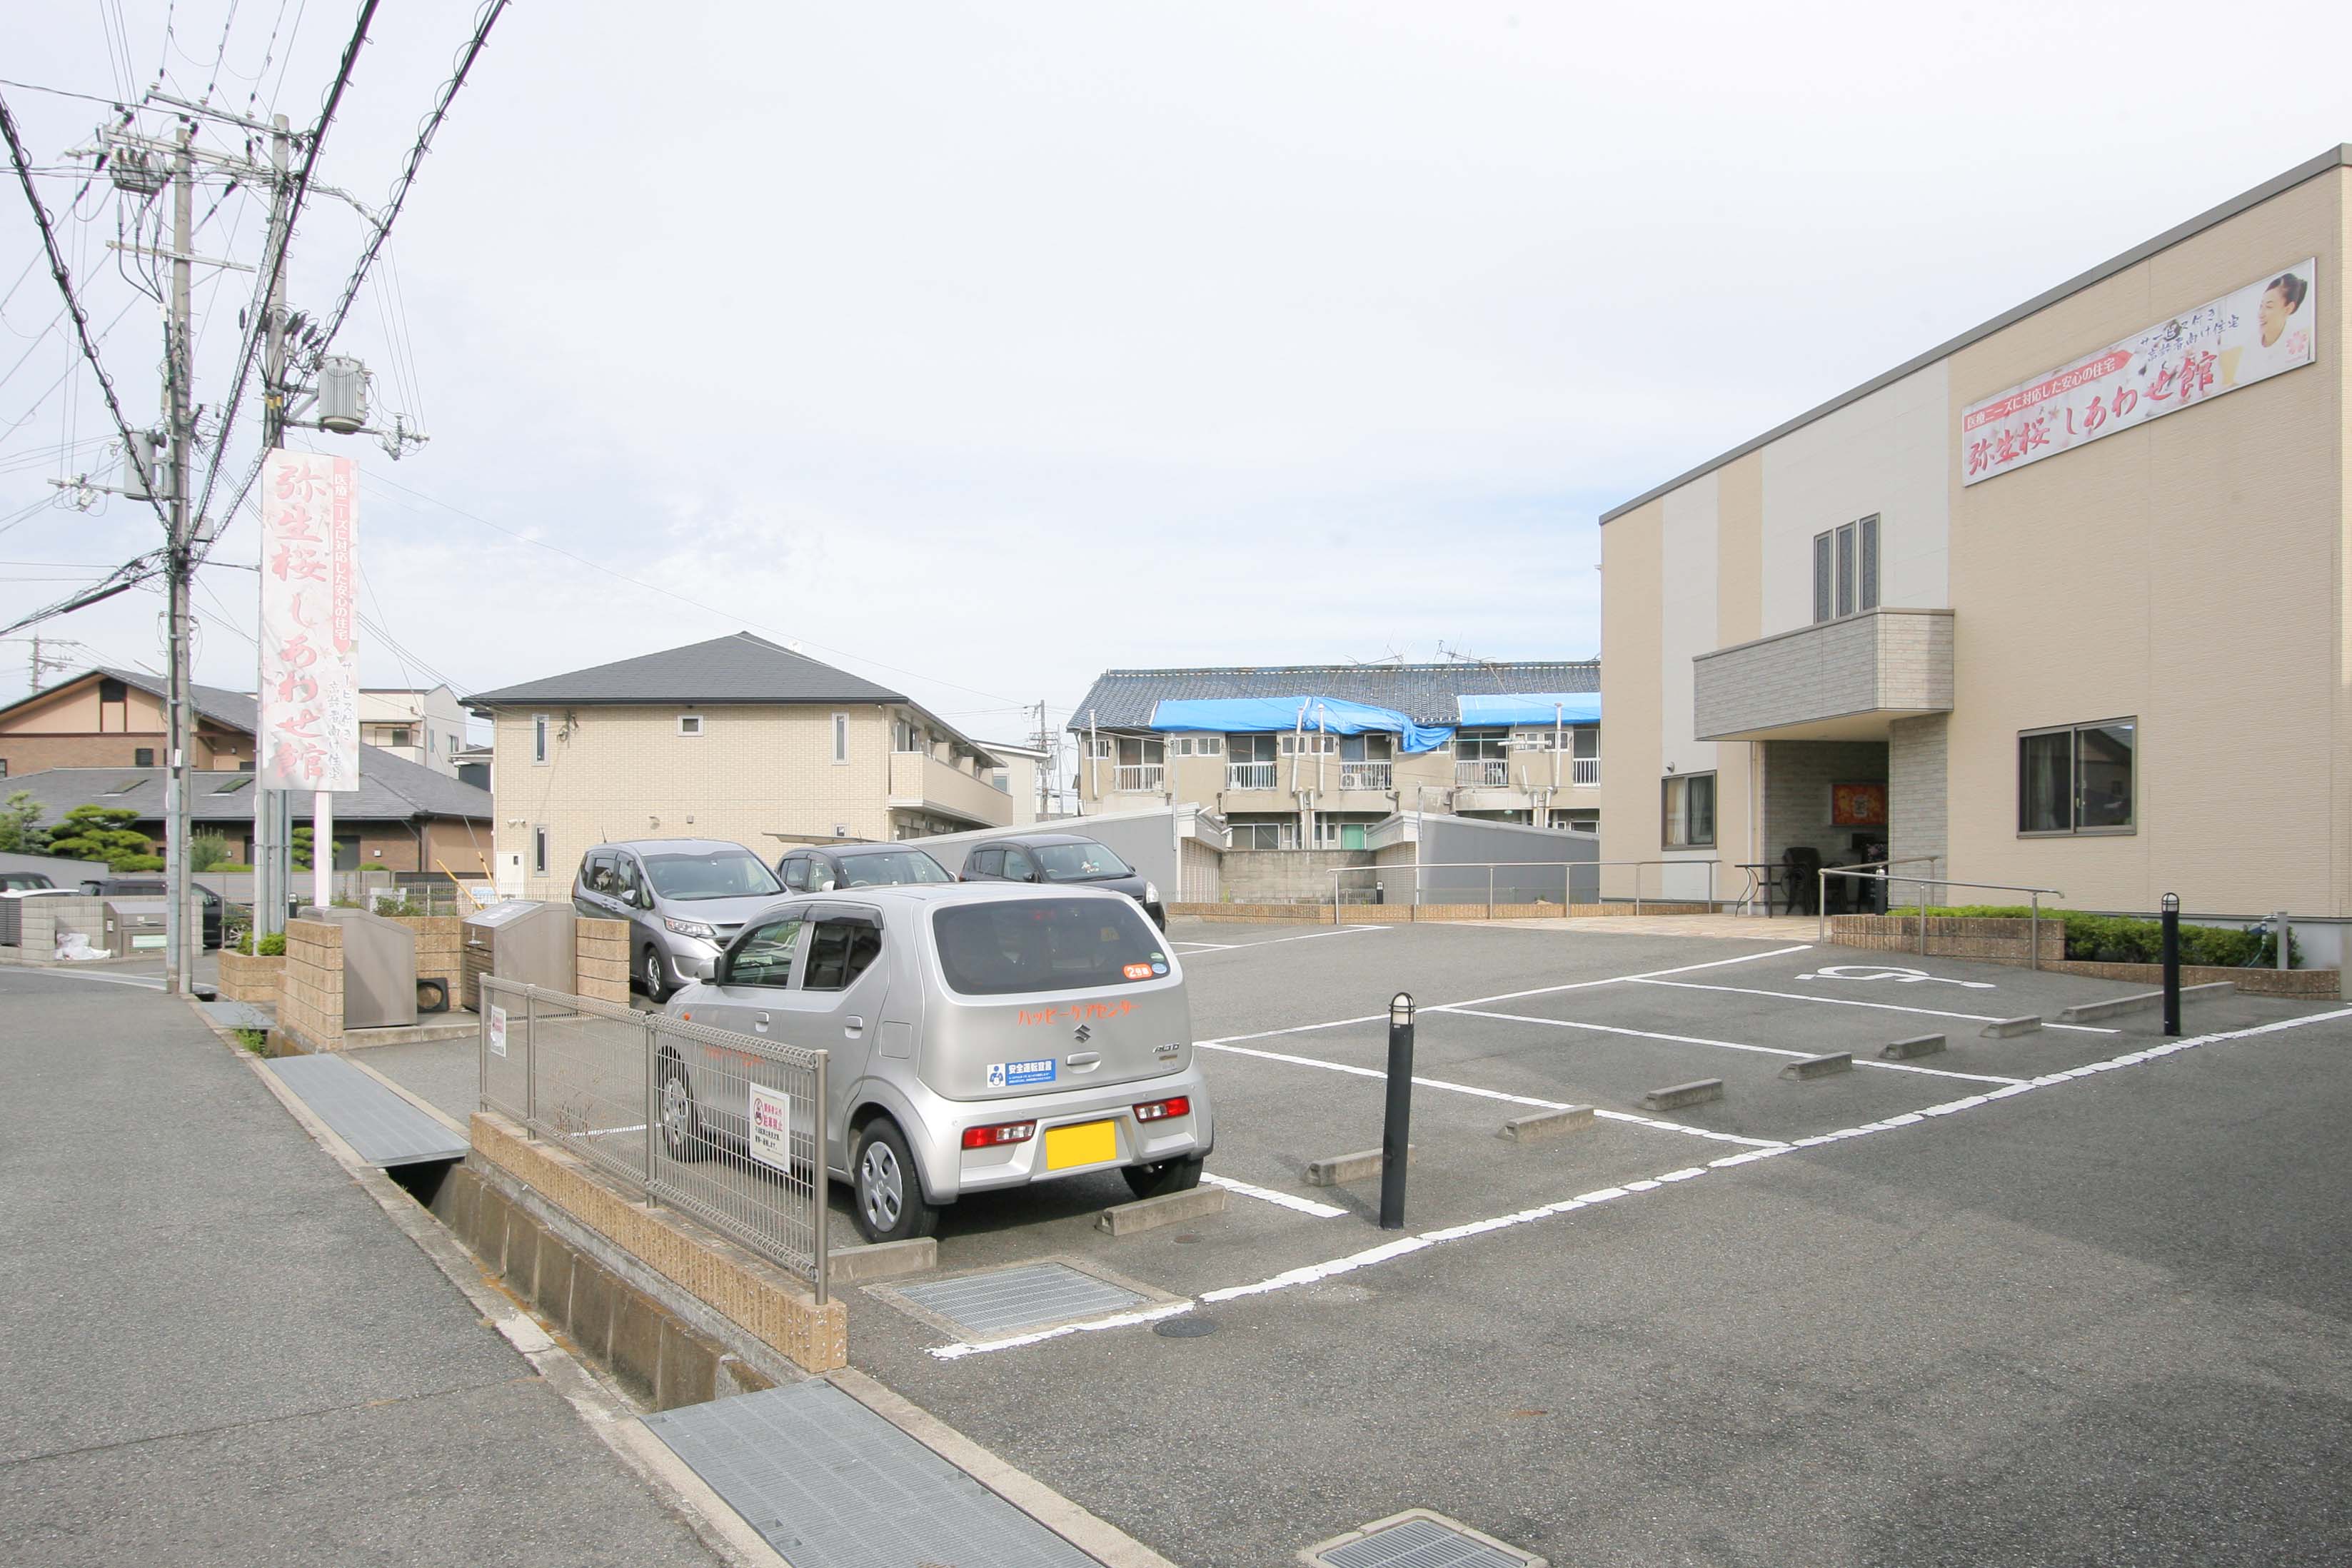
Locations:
(438, 942)
(258, 980)
(1287, 876)
(603, 947)
(310, 990)
(45, 920)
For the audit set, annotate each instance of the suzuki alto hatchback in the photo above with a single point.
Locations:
(982, 1036)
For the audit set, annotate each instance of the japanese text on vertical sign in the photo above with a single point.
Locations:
(309, 647)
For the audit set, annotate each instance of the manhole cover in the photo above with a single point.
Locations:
(1188, 1325)
(1417, 1539)
(1004, 1300)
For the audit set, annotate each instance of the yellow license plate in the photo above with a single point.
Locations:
(1087, 1143)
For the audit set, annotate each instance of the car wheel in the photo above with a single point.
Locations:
(682, 1134)
(888, 1189)
(650, 975)
(1157, 1181)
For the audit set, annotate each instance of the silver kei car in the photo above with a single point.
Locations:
(981, 1038)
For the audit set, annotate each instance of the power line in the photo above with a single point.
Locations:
(73, 306)
(267, 282)
(484, 21)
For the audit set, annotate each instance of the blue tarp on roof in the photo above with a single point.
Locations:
(1532, 708)
(1267, 715)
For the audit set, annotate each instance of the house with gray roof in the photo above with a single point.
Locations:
(1314, 756)
(733, 738)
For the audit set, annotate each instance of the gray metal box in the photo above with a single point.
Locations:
(134, 926)
(379, 968)
(527, 943)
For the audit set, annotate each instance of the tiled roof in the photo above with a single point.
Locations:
(1124, 699)
(59, 790)
(738, 669)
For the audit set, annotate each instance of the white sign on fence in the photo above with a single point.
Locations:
(770, 1121)
(309, 642)
(2248, 335)
(497, 1030)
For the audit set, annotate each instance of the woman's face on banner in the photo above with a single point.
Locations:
(2274, 313)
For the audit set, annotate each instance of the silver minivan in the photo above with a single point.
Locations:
(684, 898)
(981, 1036)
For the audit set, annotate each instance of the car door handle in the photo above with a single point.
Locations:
(760, 1022)
(853, 1024)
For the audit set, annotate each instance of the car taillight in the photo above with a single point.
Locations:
(1002, 1133)
(1161, 1109)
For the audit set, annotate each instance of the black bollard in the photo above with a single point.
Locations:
(2171, 908)
(1396, 1135)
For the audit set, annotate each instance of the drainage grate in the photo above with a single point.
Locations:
(1006, 1299)
(381, 1128)
(830, 1484)
(1417, 1540)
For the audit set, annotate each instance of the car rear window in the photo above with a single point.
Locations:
(886, 867)
(1006, 947)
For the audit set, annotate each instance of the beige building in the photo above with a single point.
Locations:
(735, 738)
(2060, 604)
(424, 725)
(1301, 756)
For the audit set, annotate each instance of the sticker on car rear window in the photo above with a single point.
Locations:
(1141, 970)
(1012, 1075)
(1159, 969)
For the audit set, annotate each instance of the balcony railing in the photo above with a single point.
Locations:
(1483, 773)
(1364, 775)
(1252, 775)
(1586, 770)
(1140, 776)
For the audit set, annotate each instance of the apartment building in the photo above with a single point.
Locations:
(1025, 773)
(2059, 603)
(1314, 756)
(426, 725)
(735, 738)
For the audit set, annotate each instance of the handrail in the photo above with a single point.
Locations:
(2034, 933)
(1568, 867)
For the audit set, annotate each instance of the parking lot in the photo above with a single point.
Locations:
(2046, 1298)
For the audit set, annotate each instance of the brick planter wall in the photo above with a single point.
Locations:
(603, 947)
(310, 993)
(1992, 939)
(248, 978)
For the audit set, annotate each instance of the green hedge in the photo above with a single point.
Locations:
(272, 946)
(2119, 939)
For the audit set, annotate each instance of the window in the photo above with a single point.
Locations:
(142, 756)
(1308, 743)
(897, 868)
(689, 724)
(764, 956)
(1372, 748)
(1481, 745)
(1001, 781)
(842, 948)
(1278, 835)
(841, 737)
(1084, 861)
(1018, 866)
(1098, 746)
(539, 851)
(230, 787)
(1054, 945)
(539, 737)
(2078, 779)
(1689, 811)
(793, 870)
(1144, 751)
(905, 737)
(1845, 570)
(398, 735)
(1197, 746)
(985, 863)
(723, 874)
(625, 885)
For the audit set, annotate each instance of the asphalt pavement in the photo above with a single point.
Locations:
(216, 1348)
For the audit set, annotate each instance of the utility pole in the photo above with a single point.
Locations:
(179, 363)
(272, 818)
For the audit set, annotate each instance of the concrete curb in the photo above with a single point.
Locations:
(2083, 1013)
(1909, 1049)
(2009, 1028)
(1676, 1096)
(882, 1261)
(1168, 1208)
(1818, 1066)
(1340, 1169)
(1545, 1125)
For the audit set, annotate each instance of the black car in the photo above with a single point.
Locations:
(154, 888)
(1053, 857)
(821, 869)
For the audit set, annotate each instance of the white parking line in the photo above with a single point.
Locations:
(1211, 946)
(1304, 1206)
(1405, 1246)
(1471, 1089)
(602, 1131)
(1721, 1044)
(1849, 1002)
(1278, 941)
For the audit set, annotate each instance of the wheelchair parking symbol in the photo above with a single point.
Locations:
(1890, 972)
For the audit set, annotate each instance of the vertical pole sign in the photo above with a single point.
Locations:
(310, 641)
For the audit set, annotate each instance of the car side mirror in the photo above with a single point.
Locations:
(704, 968)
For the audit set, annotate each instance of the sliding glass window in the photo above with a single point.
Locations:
(2079, 779)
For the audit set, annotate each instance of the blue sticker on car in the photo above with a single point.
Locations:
(1159, 969)
(1013, 1075)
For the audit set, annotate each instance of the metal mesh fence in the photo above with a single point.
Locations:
(722, 1126)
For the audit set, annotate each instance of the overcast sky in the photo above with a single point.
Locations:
(983, 347)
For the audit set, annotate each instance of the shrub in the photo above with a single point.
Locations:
(104, 833)
(20, 829)
(2123, 938)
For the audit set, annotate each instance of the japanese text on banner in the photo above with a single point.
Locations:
(309, 649)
